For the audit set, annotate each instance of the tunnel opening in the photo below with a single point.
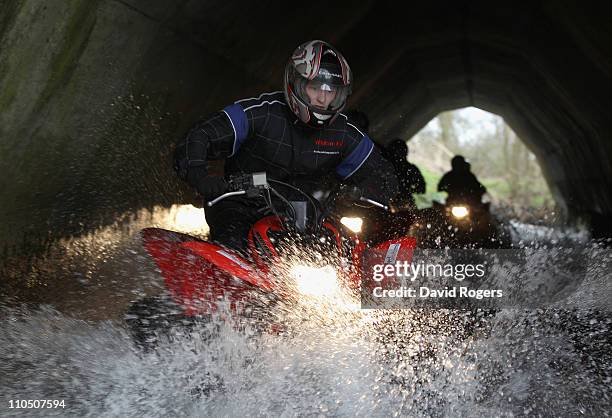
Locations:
(500, 160)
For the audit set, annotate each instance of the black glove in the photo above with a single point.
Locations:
(212, 186)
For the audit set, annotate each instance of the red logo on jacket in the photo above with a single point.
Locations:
(327, 143)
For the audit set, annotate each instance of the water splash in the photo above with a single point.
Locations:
(332, 361)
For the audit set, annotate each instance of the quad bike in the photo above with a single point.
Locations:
(459, 224)
(298, 250)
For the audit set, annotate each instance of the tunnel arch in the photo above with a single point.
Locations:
(499, 159)
(548, 158)
(531, 66)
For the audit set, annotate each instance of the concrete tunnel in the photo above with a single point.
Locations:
(94, 94)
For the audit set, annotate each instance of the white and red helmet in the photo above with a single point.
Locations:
(320, 62)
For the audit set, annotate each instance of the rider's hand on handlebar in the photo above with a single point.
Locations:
(212, 186)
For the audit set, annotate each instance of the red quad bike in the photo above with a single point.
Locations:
(297, 250)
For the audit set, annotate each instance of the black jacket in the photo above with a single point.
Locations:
(410, 178)
(461, 185)
(262, 134)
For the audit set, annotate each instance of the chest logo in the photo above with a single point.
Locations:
(328, 143)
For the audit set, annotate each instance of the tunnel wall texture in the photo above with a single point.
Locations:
(95, 93)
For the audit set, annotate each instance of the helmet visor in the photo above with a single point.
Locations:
(330, 74)
(322, 94)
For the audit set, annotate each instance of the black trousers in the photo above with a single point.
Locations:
(231, 219)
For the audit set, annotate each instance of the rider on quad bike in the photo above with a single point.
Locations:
(296, 136)
(464, 221)
(461, 184)
(411, 181)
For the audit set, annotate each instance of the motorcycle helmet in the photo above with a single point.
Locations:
(459, 163)
(321, 65)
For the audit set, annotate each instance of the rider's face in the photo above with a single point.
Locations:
(320, 95)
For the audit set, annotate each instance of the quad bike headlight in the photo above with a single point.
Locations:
(460, 212)
(315, 281)
(354, 224)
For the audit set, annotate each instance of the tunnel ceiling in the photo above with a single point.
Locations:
(544, 66)
(87, 80)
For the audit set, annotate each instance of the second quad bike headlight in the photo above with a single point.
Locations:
(460, 212)
(354, 224)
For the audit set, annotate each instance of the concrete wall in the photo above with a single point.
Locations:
(94, 94)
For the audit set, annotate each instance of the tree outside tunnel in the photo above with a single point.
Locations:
(499, 158)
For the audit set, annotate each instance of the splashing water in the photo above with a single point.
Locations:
(331, 361)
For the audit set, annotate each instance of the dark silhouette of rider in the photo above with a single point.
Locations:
(410, 179)
(409, 176)
(461, 184)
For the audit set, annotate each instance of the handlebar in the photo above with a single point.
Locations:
(249, 184)
(223, 196)
(253, 184)
(374, 202)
